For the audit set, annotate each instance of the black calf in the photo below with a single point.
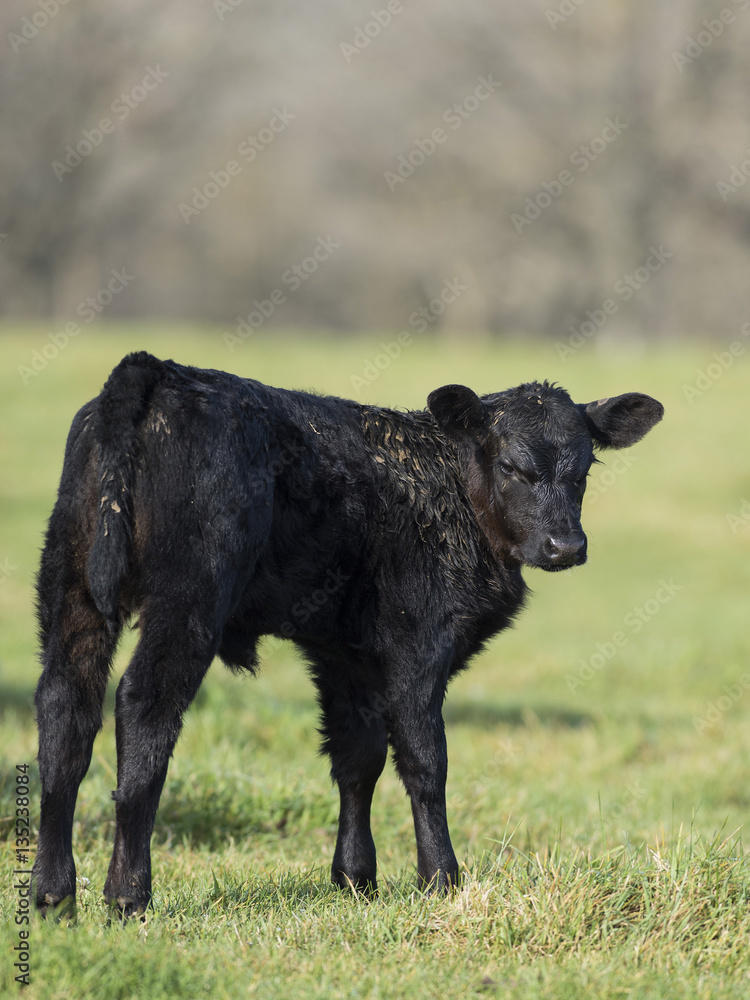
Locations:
(219, 510)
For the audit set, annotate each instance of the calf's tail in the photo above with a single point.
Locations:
(121, 406)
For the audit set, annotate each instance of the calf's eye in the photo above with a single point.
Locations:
(507, 470)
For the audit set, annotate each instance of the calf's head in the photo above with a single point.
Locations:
(527, 452)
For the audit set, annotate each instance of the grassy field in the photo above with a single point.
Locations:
(599, 753)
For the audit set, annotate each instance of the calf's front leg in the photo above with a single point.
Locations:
(418, 740)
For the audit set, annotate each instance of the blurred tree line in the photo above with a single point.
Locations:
(555, 167)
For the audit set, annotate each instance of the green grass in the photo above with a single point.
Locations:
(597, 821)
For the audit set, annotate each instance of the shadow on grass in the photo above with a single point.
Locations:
(487, 716)
(265, 894)
(203, 817)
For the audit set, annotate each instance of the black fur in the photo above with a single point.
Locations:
(388, 546)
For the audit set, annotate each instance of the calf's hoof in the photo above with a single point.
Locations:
(56, 907)
(442, 883)
(122, 908)
(368, 888)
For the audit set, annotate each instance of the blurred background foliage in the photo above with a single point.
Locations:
(320, 105)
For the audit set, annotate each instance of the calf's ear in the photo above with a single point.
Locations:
(620, 421)
(459, 412)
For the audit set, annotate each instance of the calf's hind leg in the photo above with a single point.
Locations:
(77, 651)
(169, 663)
